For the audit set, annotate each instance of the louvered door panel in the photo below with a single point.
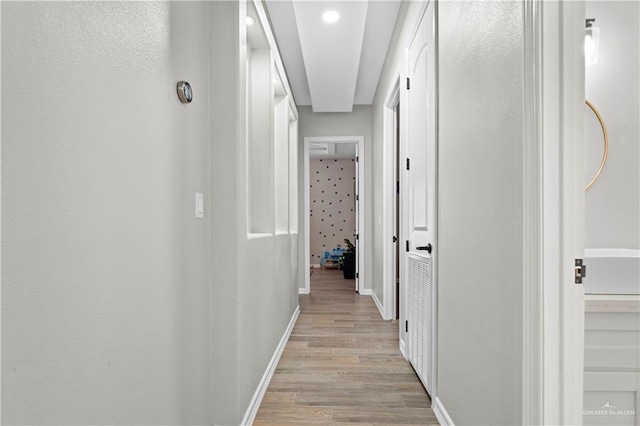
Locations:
(420, 316)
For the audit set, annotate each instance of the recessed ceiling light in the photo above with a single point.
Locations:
(250, 21)
(331, 16)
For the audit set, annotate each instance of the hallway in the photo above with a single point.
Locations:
(342, 364)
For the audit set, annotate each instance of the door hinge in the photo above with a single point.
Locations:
(580, 270)
(407, 246)
(406, 326)
(408, 164)
(357, 159)
(408, 83)
(357, 236)
(357, 198)
(398, 187)
(357, 275)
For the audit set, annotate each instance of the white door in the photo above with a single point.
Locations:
(420, 202)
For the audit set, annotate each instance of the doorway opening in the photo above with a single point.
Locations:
(392, 192)
(398, 192)
(410, 200)
(335, 165)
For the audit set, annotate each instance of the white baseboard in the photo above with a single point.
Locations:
(315, 266)
(378, 304)
(365, 291)
(254, 405)
(441, 413)
(403, 350)
(303, 291)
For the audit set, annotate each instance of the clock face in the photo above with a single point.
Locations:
(185, 93)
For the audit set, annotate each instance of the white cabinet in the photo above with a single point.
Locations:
(612, 360)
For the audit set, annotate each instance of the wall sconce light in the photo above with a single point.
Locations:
(591, 43)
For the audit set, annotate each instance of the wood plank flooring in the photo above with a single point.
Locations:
(342, 365)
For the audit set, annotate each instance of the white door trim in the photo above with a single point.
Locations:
(359, 140)
(571, 295)
(389, 161)
(533, 328)
(553, 314)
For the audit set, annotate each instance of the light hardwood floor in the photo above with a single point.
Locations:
(342, 365)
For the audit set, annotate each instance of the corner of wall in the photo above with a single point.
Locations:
(224, 89)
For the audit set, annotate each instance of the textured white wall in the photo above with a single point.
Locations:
(255, 281)
(480, 211)
(227, 75)
(105, 269)
(613, 86)
(355, 123)
(118, 306)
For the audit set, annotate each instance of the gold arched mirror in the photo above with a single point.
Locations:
(605, 151)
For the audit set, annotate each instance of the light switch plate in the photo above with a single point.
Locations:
(199, 205)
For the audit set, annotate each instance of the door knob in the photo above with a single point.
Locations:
(428, 248)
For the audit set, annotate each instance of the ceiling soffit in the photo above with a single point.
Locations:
(333, 66)
(331, 51)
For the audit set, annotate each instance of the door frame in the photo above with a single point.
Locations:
(389, 197)
(553, 187)
(360, 219)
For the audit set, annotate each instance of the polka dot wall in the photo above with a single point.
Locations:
(332, 204)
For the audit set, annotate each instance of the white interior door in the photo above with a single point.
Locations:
(420, 200)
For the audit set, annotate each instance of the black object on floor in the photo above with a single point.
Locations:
(349, 265)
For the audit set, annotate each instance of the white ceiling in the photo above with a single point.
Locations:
(333, 66)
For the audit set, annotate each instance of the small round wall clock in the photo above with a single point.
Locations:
(185, 93)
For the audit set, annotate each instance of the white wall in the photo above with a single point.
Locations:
(267, 286)
(227, 75)
(480, 211)
(105, 270)
(613, 86)
(480, 204)
(119, 307)
(355, 123)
